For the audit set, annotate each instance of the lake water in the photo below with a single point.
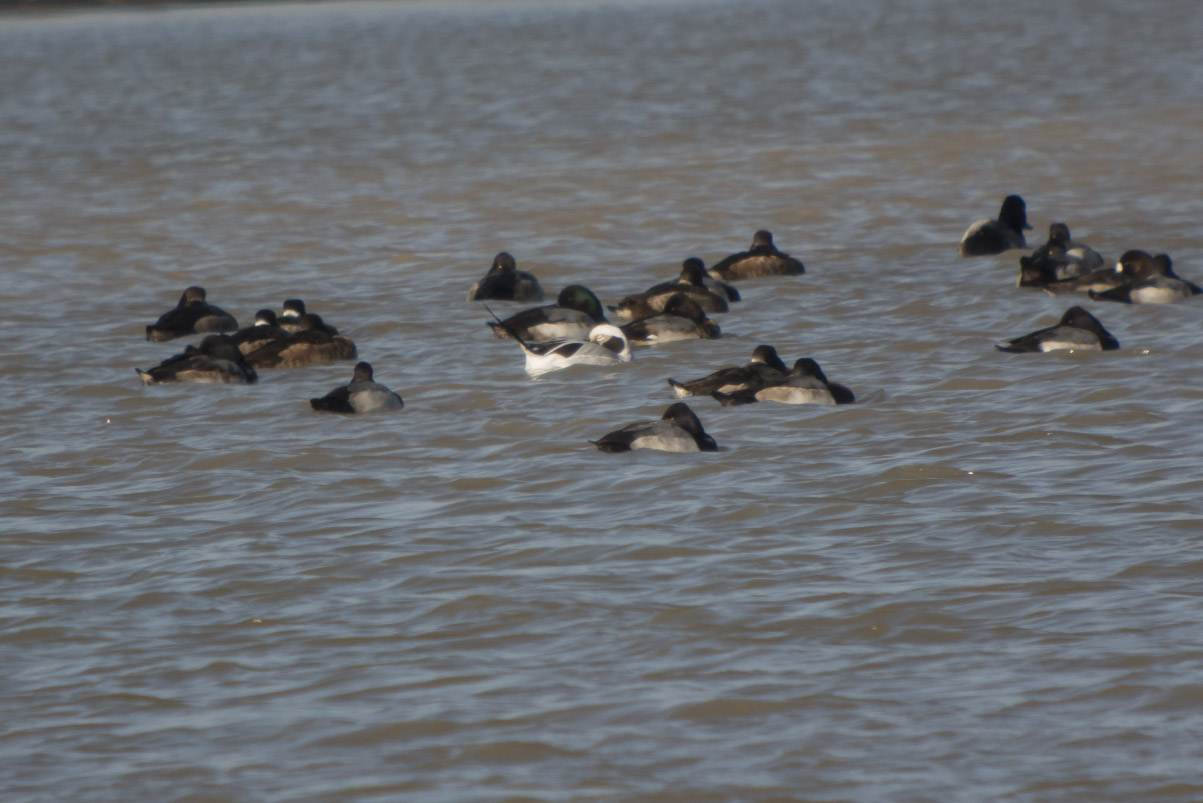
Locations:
(981, 582)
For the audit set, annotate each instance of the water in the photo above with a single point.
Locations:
(981, 582)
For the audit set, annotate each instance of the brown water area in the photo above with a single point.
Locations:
(981, 581)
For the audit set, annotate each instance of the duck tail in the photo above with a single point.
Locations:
(502, 326)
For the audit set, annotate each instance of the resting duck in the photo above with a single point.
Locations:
(804, 384)
(1087, 258)
(1059, 259)
(678, 430)
(716, 286)
(263, 331)
(762, 259)
(572, 317)
(1077, 329)
(607, 345)
(1153, 281)
(505, 282)
(692, 284)
(764, 368)
(215, 360)
(290, 315)
(682, 319)
(192, 315)
(690, 270)
(361, 395)
(313, 344)
(987, 237)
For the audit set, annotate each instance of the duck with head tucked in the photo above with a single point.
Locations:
(363, 394)
(263, 331)
(504, 282)
(216, 359)
(1059, 259)
(313, 344)
(572, 317)
(692, 266)
(762, 259)
(290, 315)
(682, 319)
(1077, 330)
(606, 345)
(804, 384)
(764, 368)
(692, 283)
(192, 315)
(678, 430)
(986, 237)
(1150, 280)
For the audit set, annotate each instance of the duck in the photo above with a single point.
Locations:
(265, 329)
(693, 269)
(192, 315)
(682, 319)
(1087, 258)
(804, 384)
(710, 282)
(1134, 266)
(315, 343)
(363, 394)
(678, 430)
(762, 259)
(572, 317)
(765, 367)
(1058, 259)
(986, 237)
(217, 359)
(505, 282)
(290, 315)
(1077, 329)
(692, 283)
(1153, 281)
(606, 345)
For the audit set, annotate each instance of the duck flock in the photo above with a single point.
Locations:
(574, 331)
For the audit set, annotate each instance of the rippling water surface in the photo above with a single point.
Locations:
(980, 582)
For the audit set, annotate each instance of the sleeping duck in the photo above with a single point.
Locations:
(682, 319)
(263, 331)
(678, 430)
(1077, 329)
(765, 367)
(804, 384)
(607, 345)
(692, 283)
(313, 344)
(572, 317)
(216, 359)
(1153, 281)
(192, 315)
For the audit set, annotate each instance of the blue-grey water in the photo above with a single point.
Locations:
(980, 582)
